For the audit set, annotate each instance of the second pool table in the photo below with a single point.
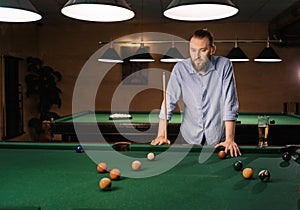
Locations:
(143, 127)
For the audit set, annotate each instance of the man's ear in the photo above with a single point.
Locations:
(213, 49)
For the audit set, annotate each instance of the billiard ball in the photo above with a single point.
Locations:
(247, 173)
(286, 156)
(136, 165)
(222, 154)
(79, 149)
(238, 165)
(105, 183)
(150, 156)
(102, 167)
(264, 175)
(115, 174)
(272, 122)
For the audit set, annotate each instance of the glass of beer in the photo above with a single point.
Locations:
(263, 130)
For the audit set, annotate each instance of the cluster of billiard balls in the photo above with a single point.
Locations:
(247, 172)
(115, 174)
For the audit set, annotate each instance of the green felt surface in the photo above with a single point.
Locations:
(54, 176)
(143, 117)
(137, 117)
(251, 118)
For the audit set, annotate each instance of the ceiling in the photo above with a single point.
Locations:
(152, 11)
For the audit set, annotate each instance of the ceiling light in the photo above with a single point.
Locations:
(200, 10)
(142, 55)
(98, 10)
(237, 55)
(110, 56)
(172, 55)
(268, 55)
(18, 11)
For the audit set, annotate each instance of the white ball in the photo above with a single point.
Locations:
(150, 156)
(136, 165)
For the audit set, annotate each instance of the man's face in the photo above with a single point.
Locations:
(200, 52)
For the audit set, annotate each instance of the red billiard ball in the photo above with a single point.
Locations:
(105, 184)
(102, 167)
(222, 154)
(115, 174)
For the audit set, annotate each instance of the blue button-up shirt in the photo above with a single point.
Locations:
(209, 99)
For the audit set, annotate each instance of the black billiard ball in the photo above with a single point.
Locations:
(238, 165)
(79, 149)
(286, 156)
(272, 122)
(264, 175)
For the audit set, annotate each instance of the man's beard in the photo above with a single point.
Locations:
(201, 65)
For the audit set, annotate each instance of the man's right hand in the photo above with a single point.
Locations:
(160, 140)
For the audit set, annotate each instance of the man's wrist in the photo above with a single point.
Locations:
(229, 139)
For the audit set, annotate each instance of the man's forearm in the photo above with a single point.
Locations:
(162, 128)
(230, 130)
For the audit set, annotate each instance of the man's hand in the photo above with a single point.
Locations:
(160, 140)
(230, 146)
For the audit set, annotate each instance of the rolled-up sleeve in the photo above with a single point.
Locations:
(231, 104)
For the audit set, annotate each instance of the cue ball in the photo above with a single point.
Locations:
(136, 165)
(115, 174)
(222, 154)
(238, 165)
(102, 167)
(264, 175)
(105, 184)
(150, 156)
(286, 156)
(247, 173)
(79, 149)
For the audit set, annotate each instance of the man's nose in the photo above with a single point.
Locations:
(198, 55)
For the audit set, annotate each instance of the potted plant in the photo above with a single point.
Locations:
(41, 83)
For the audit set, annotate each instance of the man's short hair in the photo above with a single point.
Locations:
(202, 33)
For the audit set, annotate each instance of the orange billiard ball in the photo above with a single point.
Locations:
(247, 173)
(136, 165)
(115, 174)
(102, 167)
(105, 184)
(222, 154)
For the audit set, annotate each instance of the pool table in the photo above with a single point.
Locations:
(51, 176)
(143, 127)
